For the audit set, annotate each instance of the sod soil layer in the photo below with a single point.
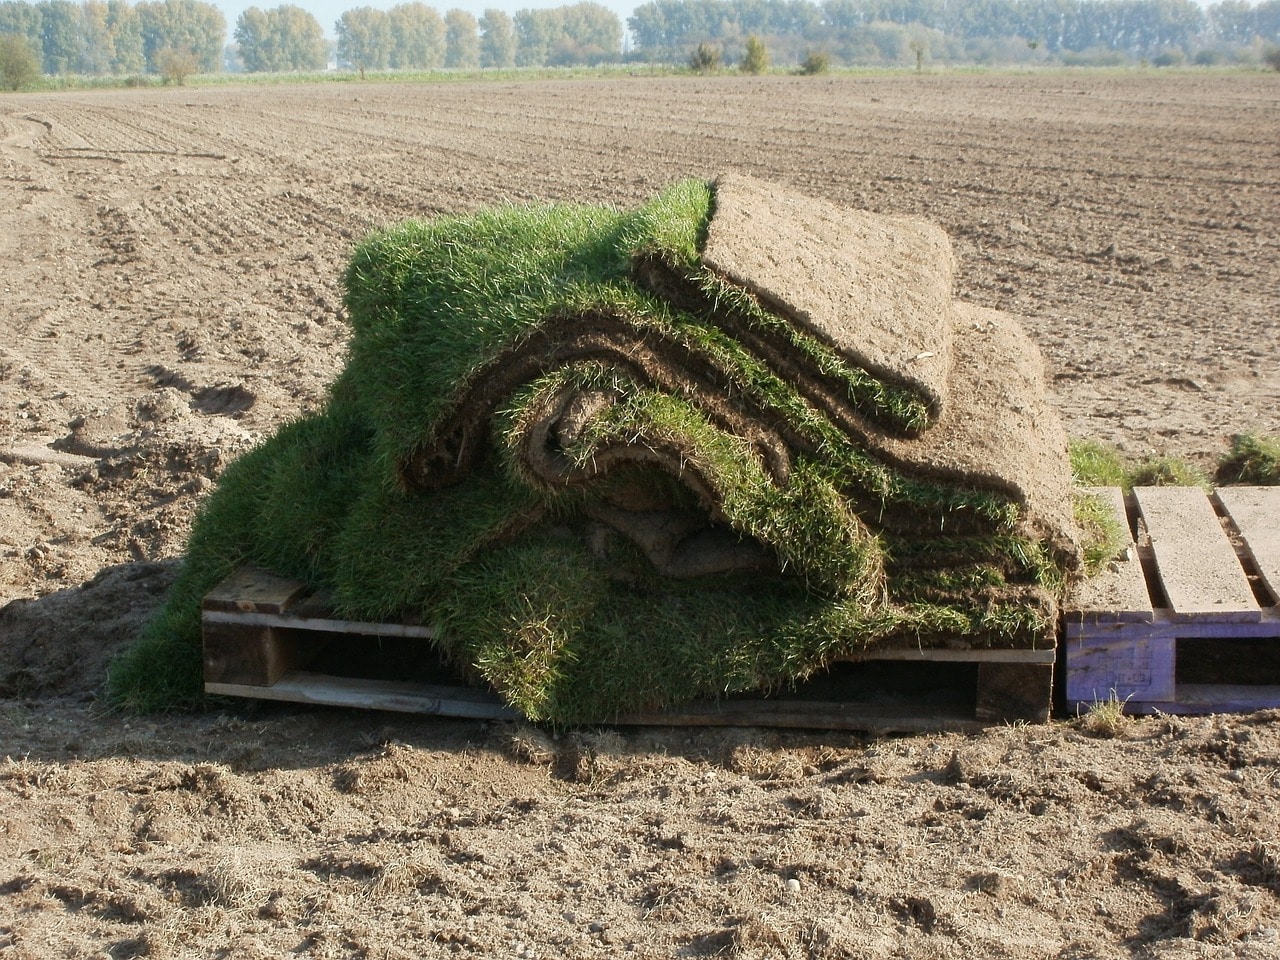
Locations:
(170, 266)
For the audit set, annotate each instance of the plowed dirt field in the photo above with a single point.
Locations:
(170, 261)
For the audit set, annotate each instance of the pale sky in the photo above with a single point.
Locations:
(328, 11)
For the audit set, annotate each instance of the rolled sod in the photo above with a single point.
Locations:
(630, 459)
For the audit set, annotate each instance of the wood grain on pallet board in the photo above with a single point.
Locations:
(258, 656)
(323, 624)
(1139, 666)
(1164, 622)
(1201, 699)
(250, 589)
(399, 697)
(1195, 561)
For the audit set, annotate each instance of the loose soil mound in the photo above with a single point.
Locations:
(554, 440)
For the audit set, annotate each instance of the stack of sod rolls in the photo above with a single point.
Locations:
(626, 460)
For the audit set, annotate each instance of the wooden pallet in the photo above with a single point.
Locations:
(1188, 622)
(269, 638)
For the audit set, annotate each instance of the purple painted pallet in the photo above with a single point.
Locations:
(1186, 620)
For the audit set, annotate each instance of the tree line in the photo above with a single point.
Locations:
(870, 31)
(114, 37)
(415, 36)
(110, 36)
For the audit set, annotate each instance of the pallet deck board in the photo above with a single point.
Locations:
(1208, 616)
(314, 689)
(252, 590)
(1164, 623)
(1195, 560)
(1117, 594)
(1256, 514)
(957, 655)
(313, 620)
(298, 686)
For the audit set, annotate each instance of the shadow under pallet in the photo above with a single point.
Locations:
(270, 638)
(1187, 622)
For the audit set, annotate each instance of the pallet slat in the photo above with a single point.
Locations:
(1164, 622)
(324, 690)
(1118, 594)
(320, 624)
(1256, 513)
(1196, 563)
(250, 589)
(956, 655)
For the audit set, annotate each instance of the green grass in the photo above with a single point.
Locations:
(637, 71)
(1099, 465)
(1165, 471)
(1253, 459)
(419, 489)
(1105, 718)
(1102, 535)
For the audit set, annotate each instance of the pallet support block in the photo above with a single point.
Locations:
(1126, 667)
(250, 655)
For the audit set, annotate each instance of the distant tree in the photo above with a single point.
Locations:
(278, 40)
(706, 58)
(418, 37)
(815, 62)
(1272, 57)
(124, 33)
(302, 39)
(19, 65)
(22, 19)
(756, 58)
(61, 36)
(461, 40)
(919, 48)
(176, 64)
(364, 38)
(497, 39)
(178, 27)
(536, 30)
(97, 51)
(580, 33)
(674, 25)
(589, 33)
(251, 35)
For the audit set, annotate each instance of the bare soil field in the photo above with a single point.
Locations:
(170, 263)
